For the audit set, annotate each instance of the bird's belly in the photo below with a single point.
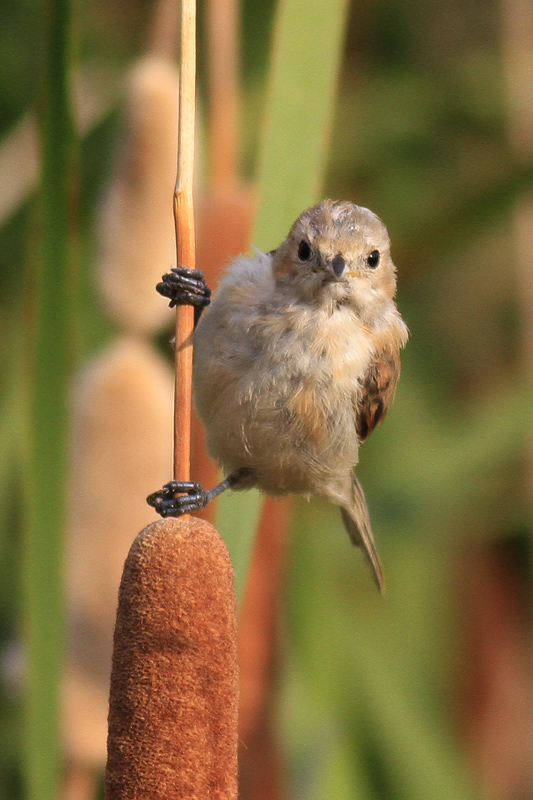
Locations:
(292, 434)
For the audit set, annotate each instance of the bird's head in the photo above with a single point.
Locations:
(335, 253)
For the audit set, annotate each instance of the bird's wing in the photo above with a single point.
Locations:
(378, 387)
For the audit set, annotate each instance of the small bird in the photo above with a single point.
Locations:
(296, 361)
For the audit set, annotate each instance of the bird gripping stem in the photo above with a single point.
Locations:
(185, 245)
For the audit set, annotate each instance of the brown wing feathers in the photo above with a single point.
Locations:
(379, 385)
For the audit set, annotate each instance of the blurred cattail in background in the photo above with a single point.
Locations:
(136, 223)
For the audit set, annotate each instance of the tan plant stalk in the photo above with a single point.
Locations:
(184, 220)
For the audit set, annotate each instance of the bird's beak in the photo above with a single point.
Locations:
(337, 266)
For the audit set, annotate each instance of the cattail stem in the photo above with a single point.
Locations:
(184, 221)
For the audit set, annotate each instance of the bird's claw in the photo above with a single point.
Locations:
(177, 498)
(184, 286)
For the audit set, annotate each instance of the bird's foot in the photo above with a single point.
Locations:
(185, 497)
(177, 498)
(184, 286)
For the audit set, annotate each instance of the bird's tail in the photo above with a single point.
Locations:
(357, 522)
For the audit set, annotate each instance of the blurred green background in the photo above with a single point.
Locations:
(414, 695)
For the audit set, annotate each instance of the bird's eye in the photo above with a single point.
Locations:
(373, 259)
(304, 250)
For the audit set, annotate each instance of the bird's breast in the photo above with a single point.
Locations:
(282, 393)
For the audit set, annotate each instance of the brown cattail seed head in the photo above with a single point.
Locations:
(174, 682)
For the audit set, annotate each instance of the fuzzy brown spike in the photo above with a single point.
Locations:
(174, 681)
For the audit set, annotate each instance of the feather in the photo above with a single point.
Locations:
(378, 388)
(356, 520)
